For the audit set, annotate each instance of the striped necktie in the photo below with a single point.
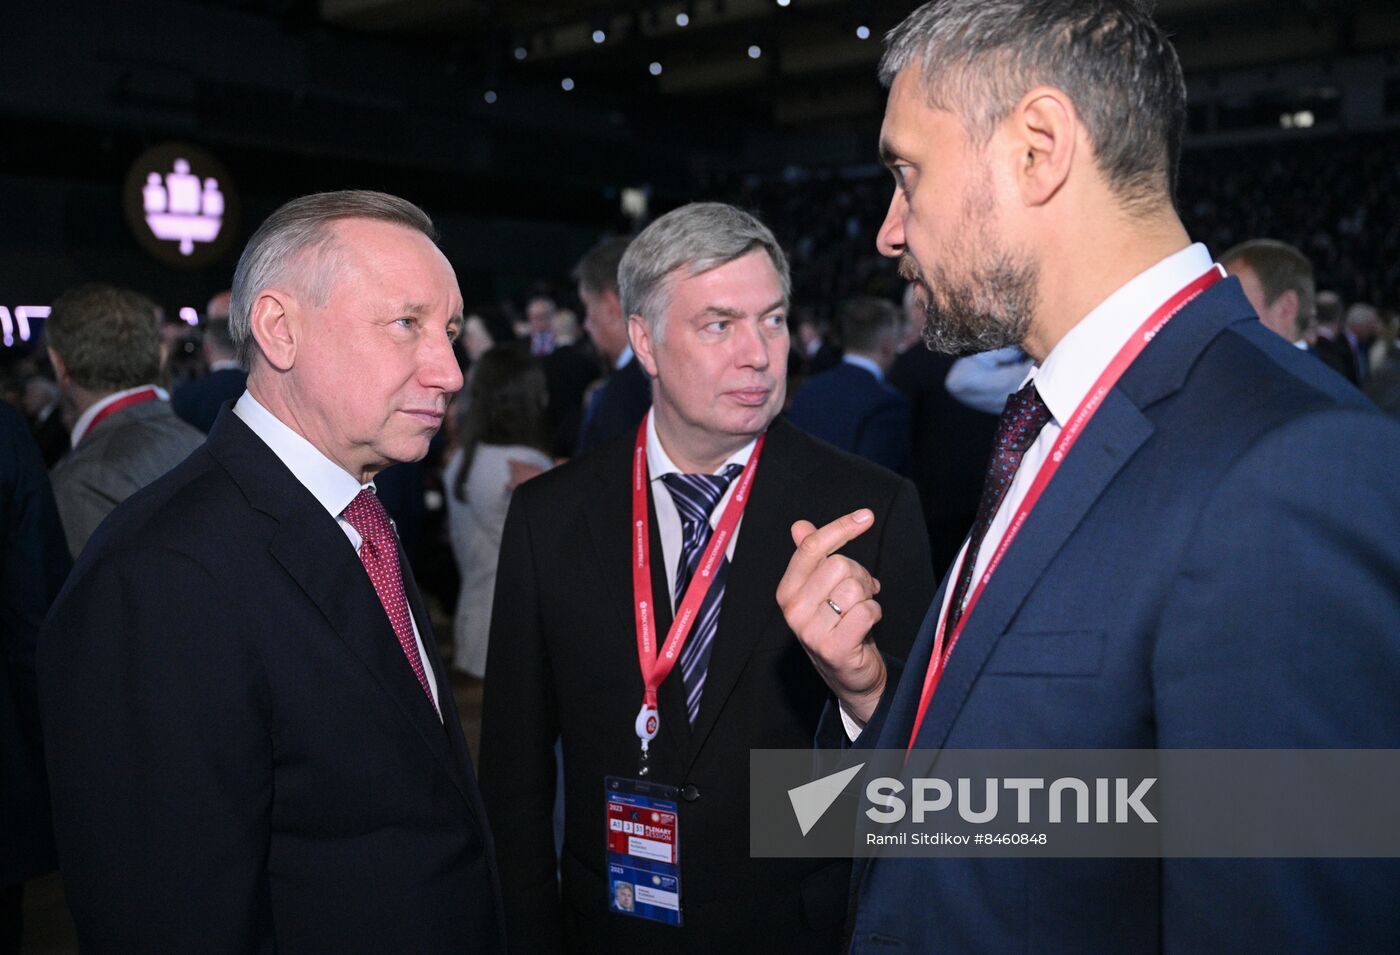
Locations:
(695, 496)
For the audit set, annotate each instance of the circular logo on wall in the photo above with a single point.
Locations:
(181, 205)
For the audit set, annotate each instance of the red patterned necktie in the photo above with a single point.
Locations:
(1020, 423)
(380, 555)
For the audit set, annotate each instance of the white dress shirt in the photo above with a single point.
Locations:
(668, 519)
(328, 482)
(1064, 379)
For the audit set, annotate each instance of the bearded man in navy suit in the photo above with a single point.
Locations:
(1161, 591)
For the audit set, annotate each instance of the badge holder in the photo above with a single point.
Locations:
(643, 850)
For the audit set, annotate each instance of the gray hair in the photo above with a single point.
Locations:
(278, 252)
(697, 238)
(979, 57)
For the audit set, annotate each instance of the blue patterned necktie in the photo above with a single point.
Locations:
(695, 496)
(1021, 420)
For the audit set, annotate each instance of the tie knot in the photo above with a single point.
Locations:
(1021, 420)
(368, 517)
(697, 494)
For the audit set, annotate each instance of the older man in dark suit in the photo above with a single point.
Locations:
(255, 746)
(1142, 570)
(706, 289)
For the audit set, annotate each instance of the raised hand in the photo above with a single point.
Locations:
(829, 601)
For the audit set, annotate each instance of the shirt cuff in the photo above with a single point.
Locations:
(852, 727)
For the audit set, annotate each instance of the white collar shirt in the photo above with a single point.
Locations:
(668, 519)
(1070, 370)
(860, 361)
(84, 422)
(332, 486)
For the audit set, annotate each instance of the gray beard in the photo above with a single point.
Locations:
(992, 309)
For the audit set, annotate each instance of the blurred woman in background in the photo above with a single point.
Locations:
(502, 443)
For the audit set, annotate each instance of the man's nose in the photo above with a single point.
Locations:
(890, 239)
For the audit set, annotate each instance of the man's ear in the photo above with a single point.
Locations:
(60, 370)
(1286, 305)
(1044, 130)
(273, 320)
(639, 332)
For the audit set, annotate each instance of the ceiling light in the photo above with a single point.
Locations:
(521, 53)
(863, 32)
(489, 96)
(682, 19)
(599, 36)
(654, 69)
(755, 52)
(567, 83)
(783, 3)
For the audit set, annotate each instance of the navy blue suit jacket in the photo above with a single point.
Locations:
(617, 408)
(847, 407)
(1214, 566)
(199, 401)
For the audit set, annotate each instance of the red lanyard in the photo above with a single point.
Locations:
(1069, 434)
(121, 404)
(656, 667)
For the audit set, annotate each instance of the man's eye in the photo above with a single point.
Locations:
(775, 321)
(716, 326)
(406, 322)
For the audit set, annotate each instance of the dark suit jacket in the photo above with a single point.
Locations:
(617, 408)
(951, 444)
(33, 563)
(199, 401)
(563, 663)
(1166, 592)
(568, 371)
(242, 758)
(847, 407)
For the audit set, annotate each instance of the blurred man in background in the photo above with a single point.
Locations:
(104, 343)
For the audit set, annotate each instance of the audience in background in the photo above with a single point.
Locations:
(851, 406)
(42, 400)
(1278, 281)
(568, 371)
(198, 401)
(618, 406)
(104, 343)
(502, 434)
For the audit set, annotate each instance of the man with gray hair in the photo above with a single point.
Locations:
(705, 291)
(255, 742)
(1141, 572)
(104, 343)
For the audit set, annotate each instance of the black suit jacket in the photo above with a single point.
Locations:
(617, 408)
(33, 563)
(951, 444)
(242, 759)
(199, 401)
(563, 663)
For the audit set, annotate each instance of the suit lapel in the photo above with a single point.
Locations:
(315, 552)
(1110, 440)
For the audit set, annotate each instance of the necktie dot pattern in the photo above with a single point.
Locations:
(1020, 424)
(379, 553)
(696, 496)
